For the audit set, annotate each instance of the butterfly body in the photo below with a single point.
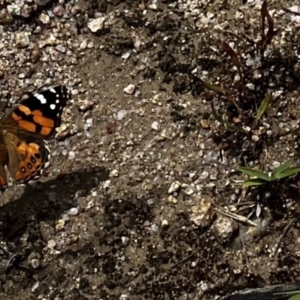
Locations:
(23, 131)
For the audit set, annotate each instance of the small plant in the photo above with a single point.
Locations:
(259, 178)
(264, 105)
(262, 109)
(249, 105)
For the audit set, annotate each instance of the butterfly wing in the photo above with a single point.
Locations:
(28, 156)
(24, 129)
(39, 114)
(3, 162)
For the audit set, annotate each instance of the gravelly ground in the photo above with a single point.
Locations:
(125, 211)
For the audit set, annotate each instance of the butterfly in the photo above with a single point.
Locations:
(23, 131)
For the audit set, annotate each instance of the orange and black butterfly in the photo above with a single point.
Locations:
(23, 131)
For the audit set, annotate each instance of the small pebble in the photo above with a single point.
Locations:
(204, 175)
(211, 157)
(121, 114)
(90, 45)
(22, 39)
(193, 264)
(65, 217)
(60, 48)
(75, 10)
(126, 55)
(151, 201)
(89, 121)
(152, 6)
(172, 199)
(164, 223)
(202, 213)
(60, 224)
(35, 263)
(155, 125)
(106, 184)
(125, 240)
(35, 287)
(154, 228)
(203, 286)
(45, 19)
(114, 173)
(96, 24)
(58, 11)
(85, 105)
(83, 45)
(224, 227)
(129, 89)
(71, 155)
(73, 211)
(175, 186)
(51, 244)
(187, 189)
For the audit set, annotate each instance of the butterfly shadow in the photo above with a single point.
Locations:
(41, 205)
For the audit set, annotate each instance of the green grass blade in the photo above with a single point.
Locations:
(254, 173)
(295, 295)
(288, 172)
(253, 182)
(280, 169)
(264, 106)
(214, 88)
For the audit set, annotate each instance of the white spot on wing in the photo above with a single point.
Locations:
(57, 101)
(52, 91)
(52, 106)
(40, 97)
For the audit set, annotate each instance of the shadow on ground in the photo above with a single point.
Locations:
(46, 201)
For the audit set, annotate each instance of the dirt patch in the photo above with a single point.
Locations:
(119, 213)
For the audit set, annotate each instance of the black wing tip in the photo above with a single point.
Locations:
(64, 90)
